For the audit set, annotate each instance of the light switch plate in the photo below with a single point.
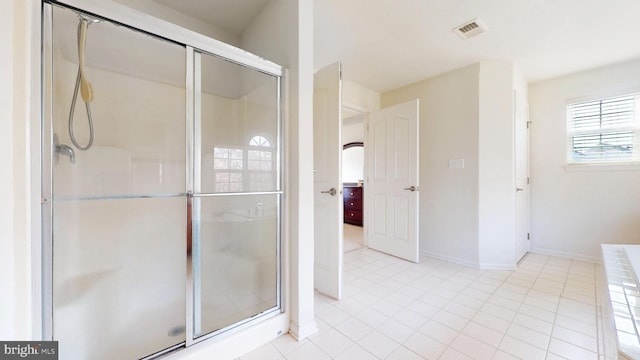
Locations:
(456, 164)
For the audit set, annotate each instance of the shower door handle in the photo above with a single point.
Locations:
(331, 192)
(189, 225)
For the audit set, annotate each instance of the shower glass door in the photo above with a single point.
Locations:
(162, 176)
(237, 195)
(118, 188)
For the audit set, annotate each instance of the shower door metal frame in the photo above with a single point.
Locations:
(194, 194)
(194, 44)
(47, 173)
(137, 20)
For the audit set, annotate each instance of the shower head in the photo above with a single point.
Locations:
(89, 20)
(85, 86)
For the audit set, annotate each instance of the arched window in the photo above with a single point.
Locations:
(259, 140)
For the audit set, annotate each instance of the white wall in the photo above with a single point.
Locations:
(357, 102)
(496, 192)
(18, 52)
(448, 130)
(574, 211)
(353, 129)
(283, 33)
(7, 279)
(359, 97)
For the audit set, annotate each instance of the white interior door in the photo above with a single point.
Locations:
(327, 162)
(393, 180)
(522, 177)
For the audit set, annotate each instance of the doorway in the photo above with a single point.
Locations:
(353, 175)
(393, 162)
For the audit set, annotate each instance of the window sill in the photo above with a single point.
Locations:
(626, 166)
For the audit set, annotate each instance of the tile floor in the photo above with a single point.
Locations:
(394, 309)
(352, 237)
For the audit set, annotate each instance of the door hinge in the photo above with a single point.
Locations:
(528, 236)
(528, 181)
(528, 124)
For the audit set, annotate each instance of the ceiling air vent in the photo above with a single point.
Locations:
(471, 29)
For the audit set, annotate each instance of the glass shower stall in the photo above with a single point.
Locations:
(162, 188)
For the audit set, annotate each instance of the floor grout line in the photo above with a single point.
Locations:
(442, 294)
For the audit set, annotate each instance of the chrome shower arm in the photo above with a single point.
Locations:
(64, 150)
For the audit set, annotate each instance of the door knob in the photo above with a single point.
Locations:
(519, 189)
(331, 192)
(411, 188)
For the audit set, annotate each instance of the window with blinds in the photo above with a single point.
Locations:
(604, 130)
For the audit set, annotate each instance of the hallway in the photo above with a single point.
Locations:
(352, 237)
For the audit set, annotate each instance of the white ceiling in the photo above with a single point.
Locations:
(385, 44)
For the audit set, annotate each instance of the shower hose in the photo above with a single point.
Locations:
(83, 86)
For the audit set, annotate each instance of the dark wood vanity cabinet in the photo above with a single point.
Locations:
(353, 205)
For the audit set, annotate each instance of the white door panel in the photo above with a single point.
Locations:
(379, 151)
(380, 215)
(522, 177)
(393, 145)
(400, 216)
(327, 163)
(401, 154)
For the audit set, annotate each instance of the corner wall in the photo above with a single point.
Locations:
(467, 191)
(359, 97)
(496, 190)
(574, 211)
(283, 33)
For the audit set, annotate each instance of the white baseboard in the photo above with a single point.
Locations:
(477, 265)
(501, 267)
(564, 254)
(450, 259)
(488, 266)
(302, 332)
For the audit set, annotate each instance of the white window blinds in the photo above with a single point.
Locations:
(604, 130)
